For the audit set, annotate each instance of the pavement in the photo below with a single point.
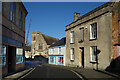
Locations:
(57, 71)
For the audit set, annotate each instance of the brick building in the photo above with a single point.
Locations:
(92, 40)
(40, 44)
(13, 37)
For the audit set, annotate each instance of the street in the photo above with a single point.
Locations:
(47, 71)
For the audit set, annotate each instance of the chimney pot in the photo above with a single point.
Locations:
(76, 16)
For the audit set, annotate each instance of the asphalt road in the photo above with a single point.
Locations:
(53, 72)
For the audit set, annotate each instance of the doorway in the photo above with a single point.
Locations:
(82, 56)
(11, 59)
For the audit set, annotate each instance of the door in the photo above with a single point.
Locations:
(82, 56)
(11, 59)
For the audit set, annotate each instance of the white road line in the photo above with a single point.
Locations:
(78, 75)
(26, 74)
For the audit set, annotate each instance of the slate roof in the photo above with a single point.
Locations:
(49, 40)
(93, 11)
(59, 43)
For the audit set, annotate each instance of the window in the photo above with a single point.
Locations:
(3, 55)
(51, 59)
(81, 34)
(93, 53)
(34, 38)
(93, 31)
(20, 19)
(52, 50)
(19, 55)
(72, 37)
(59, 50)
(72, 54)
(60, 60)
(119, 53)
(12, 11)
(40, 46)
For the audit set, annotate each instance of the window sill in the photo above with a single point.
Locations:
(93, 62)
(80, 41)
(72, 60)
(92, 39)
(71, 43)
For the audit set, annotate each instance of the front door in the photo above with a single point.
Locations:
(82, 56)
(11, 59)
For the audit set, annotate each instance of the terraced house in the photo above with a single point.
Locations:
(13, 37)
(92, 40)
(57, 52)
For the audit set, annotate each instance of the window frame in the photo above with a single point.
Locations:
(12, 11)
(80, 41)
(59, 50)
(20, 19)
(3, 54)
(19, 55)
(93, 54)
(72, 37)
(72, 54)
(93, 32)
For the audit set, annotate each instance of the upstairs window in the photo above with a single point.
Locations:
(93, 53)
(81, 34)
(72, 37)
(12, 11)
(20, 19)
(59, 50)
(72, 54)
(34, 38)
(93, 31)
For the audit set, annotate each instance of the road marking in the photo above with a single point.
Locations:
(78, 75)
(26, 74)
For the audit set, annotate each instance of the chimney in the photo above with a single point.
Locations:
(76, 16)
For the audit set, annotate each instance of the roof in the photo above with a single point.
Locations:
(59, 43)
(93, 11)
(49, 40)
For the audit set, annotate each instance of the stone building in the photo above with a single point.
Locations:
(57, 52)
(40, 44)
(12, 56)
(92, 40)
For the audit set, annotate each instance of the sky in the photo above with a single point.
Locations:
(50, 18)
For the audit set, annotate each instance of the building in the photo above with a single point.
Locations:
(40, 44)
(92, 40)
(57, 52)
(28, 53)
(12, 56)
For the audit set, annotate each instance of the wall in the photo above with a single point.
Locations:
(103, 42)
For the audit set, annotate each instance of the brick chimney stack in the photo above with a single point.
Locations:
(76, 16)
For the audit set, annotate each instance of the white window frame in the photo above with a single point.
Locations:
(119, 52)
(59, 50)
(72, 56)
(19, 54)
(52, 50)
(72, 37)
(92, 33)
(93, 56)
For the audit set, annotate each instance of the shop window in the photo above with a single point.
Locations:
(19, 55)
(52, 59)
(60, 60)
(3, 55)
